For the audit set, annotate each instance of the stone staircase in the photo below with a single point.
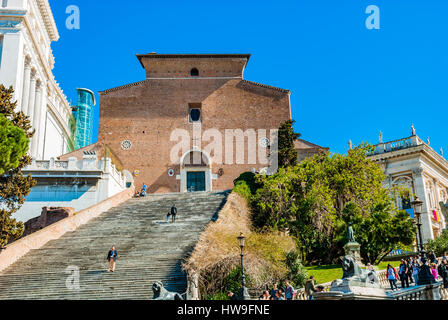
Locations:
(149, 250)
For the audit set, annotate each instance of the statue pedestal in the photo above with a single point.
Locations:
(348, 289)
(354, 249)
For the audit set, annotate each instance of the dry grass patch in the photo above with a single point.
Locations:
(217, 251)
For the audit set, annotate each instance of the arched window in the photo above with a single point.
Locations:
(194, 72)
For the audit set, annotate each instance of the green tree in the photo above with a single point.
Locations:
(13, 145)
(14, 186)
(297, 274)
(384, 230)
(287, 155)
(316, 198)
(439, 245)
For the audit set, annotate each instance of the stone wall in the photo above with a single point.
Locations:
(48, 216)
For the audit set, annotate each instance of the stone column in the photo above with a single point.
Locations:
(41, 123)
(32, 99)
(437, 202)
(26, 86)
(36, 121)
(420, 191)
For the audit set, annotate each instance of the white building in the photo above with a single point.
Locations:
(411, 162)
(27, 29)
(76, 184)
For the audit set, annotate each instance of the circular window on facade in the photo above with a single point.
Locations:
(264, 142)
(171, 172)
(126, 145)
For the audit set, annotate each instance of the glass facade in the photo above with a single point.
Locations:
(1, 49)
(84, 118)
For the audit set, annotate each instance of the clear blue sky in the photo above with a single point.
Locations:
(347, 82)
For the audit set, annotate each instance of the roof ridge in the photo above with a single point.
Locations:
(266, 86)
(243, 80)
(123, 86)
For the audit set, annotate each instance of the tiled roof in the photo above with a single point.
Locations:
(303, 144)
(243, 81)
(265, 86)
(122, 87)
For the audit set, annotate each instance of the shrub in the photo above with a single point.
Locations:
(250, 180)
(439, 245)
(297, 274)
(243, 190)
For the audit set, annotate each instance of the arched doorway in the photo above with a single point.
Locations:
(129, 178)
(195, 172)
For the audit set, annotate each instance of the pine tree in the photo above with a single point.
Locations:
(287, 155)
(14, 186)
(13, 145)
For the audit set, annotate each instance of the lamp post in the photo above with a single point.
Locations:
(244, 293)
(424, 273)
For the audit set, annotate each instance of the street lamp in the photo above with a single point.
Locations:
(244, 293)
(424, 273)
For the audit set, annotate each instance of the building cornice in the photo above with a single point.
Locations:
(422, 149)
(47, 16)
(193, 56)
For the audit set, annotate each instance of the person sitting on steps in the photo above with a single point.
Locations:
(143, 192)
(168, 217)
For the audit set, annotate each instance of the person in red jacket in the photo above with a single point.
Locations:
(392, 276)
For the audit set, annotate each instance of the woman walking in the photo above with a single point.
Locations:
(392, 276)
(415, 269)
(434, 271)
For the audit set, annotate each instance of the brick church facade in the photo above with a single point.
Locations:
(186, 92)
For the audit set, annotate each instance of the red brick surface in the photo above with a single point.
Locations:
(147, 112)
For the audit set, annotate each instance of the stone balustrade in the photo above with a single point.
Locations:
(88, 165)
(413, 293)
(397, 144)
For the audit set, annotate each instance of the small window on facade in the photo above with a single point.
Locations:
(405, 203)
(195, 115)
(194, 72)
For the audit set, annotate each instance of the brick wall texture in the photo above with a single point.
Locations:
(147, 112)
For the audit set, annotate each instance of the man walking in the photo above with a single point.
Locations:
(112, 258)
(289, 292)
(310, 288)
(443, 271)
(274, 292)
(432, 257)
(403, 273)
(173, 213)
(410, 271)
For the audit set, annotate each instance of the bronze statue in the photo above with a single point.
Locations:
(350, 234)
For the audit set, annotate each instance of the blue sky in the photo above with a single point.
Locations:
(347, 82)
